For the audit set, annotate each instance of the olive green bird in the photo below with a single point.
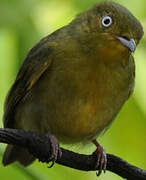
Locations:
(74, 82)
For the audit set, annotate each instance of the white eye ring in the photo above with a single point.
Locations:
(106, 21)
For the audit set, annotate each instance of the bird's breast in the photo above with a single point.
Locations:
(89, 101)
(76, 104)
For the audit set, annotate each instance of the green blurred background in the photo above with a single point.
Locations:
(22, 24)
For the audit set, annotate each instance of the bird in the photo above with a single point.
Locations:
(74, 81)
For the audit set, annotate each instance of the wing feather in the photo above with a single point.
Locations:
(35, 64)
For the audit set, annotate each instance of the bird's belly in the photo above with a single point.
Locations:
(82, 115)
(75, 110)
(85, 120)
(72, 120)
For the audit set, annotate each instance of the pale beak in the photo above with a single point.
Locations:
(129, 43)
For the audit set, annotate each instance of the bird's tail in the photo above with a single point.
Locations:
(16, 153)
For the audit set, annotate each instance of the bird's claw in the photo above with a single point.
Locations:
(101, 160)
(55, 149)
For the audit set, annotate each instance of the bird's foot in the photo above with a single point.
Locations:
(55, 149)
(101, 158)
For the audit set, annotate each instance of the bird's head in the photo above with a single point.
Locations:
(110, 27)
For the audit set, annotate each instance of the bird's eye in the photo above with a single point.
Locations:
(106, 21)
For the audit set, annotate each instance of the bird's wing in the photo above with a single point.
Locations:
(35, 64)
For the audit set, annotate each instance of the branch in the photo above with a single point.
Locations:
(40, 147)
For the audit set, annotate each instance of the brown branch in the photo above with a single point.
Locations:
(39, 146)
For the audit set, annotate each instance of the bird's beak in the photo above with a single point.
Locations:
(129, 43)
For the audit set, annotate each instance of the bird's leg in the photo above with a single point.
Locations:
(101, 157)
(55, 148)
